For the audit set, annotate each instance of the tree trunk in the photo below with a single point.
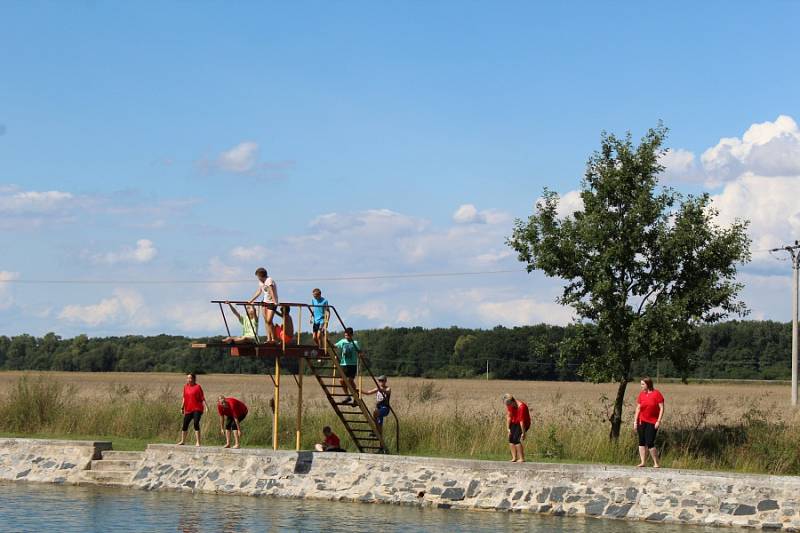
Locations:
(616, 416)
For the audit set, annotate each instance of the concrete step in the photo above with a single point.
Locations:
(115, 464)
(108, 477)
(122, 456)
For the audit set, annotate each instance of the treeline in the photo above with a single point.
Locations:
(733, 350)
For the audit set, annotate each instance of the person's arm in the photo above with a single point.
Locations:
(221, 421)
(660, 414)
(522, 430)
(326, 316)
(253, 298)
(271, 289)
(508, 421)
(235, 312)
(371, 391)
(636, 417)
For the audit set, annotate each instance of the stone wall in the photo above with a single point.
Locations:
(692, 497)
(52, 461)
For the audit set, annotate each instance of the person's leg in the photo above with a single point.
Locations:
(651, 445)
(184, 428)
(318, 447)
(197, 416)
(268, 315)
(513, 440)
(520, 453)
(642, 445)
(237, 434)
(227, 438)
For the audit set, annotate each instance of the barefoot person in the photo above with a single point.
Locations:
(232, 412)
(348, 359)
(249, 324)
(285, 333)
(319, 317)
(382, 394)
(331, 442)
(647, 419)
(518, 421)
(192, 407)
(269, 289)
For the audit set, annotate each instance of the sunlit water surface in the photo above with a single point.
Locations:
(55, 508)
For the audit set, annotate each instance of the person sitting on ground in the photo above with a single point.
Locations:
(349, 349)
(285, 333)
(518, 421)
(269, 289)
(235, 411)
(382, 393)
(331, 443)
(192, 408)
(319, 317)
(249, 325)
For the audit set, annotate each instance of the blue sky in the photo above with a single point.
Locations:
(196, 141)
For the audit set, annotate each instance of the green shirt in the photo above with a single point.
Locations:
(249, 326)
(348, 352)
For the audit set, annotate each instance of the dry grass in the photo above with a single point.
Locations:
(733, 426)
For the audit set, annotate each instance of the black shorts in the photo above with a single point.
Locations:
(230, 423)
(271, 307)
(515, 436)
(318, 326)
(647, 434)
(189, 417)
(350, 370)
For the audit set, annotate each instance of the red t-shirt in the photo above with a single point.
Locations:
(519, 414)
(332, 441)
(648, 406)
(193, 398)
(235, 409)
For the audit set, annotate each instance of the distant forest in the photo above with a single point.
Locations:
(732, 350)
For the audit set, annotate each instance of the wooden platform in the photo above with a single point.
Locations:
(265, 350)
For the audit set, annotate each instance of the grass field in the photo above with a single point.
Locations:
(731, 426)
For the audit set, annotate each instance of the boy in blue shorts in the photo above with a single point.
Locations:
(319, 317)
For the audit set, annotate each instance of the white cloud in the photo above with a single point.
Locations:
(239, 159)
(6, 300)
(143, 252)
(124, 307)
(249, 253)
(681, 165)
(569, 203)
(15, 201)
(469, 214)
(523, 312)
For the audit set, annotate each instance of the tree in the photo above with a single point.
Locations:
(643, 265)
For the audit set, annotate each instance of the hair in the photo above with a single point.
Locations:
(261, 271)
(315, 289)
(221, 399)
(508, 398)
(286, 310)
(648, 383)
(194, 376)
(348, 330)
(326, 429)
(249, 308)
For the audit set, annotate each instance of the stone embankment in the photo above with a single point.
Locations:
(674, 496)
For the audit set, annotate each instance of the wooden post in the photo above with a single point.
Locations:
(277, 402)
(298, 432)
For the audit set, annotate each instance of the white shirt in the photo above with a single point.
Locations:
(265, 289)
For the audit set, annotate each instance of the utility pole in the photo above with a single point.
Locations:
(794, 253)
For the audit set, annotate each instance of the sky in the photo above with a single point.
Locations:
(154, 154)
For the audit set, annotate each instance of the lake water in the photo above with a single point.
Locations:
(43, 507)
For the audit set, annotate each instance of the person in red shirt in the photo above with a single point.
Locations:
(192, 408)
(331, 443)
(232, 412)
(518, 421)
(647, 419)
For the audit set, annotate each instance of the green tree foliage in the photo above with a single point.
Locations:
(643, 265)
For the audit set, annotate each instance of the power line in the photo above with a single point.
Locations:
(240, 281)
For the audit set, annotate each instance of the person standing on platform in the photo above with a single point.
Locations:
(269, 289)
(349, 349)
(319, 317)
(194, 403)
(518, 421)
(231, 413)
(647, 420)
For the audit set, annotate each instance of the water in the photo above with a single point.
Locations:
(42, 507)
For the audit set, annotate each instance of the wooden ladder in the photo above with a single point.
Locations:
(356, 417)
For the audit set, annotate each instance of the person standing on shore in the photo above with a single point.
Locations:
(192, 407)
(518, 421)
(232, 412)
(647, 420)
